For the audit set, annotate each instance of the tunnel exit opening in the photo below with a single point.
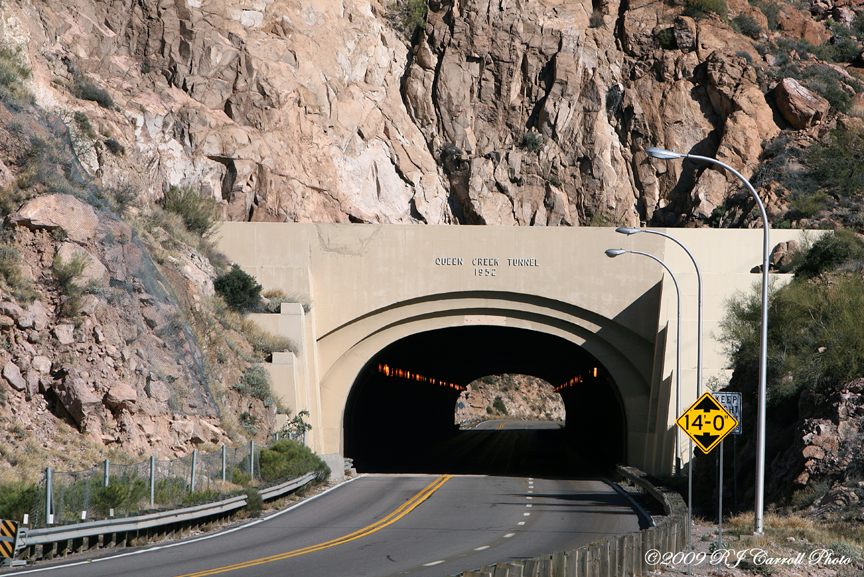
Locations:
(399, 415)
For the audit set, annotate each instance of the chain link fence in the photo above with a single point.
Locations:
(111, 490)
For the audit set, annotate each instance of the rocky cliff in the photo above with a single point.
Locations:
(506, 112)
(511, 112)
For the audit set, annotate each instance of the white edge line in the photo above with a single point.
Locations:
(433, 563)
(179, 543)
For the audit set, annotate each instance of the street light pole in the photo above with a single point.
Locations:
(763, 351)
(612, 253)
(629, 231)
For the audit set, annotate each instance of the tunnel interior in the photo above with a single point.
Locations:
(399, 415)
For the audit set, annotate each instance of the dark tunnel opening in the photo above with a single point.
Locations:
(399, 415)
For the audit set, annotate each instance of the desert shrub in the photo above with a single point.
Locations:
(286, 459)
(408, 15)
(124, 196)
(89, 91)
(596, 20)
(255, 382)
(122, 494)
(12, 276)
(193, 497)
(807, 205)
(254, 502)
(830, 252)
(169, 491)
(238, 289)
(114, 147)
(13, 72)
(498, 405)
(701, 8)
(275, 298)
(16, 500)
(747, 26)
(838, 161)
(67, 272)
(532, 141)
(249, 422)
(83, 124)
(198, 212)
(815, 323)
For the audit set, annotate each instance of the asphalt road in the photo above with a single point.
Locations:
(384, 525)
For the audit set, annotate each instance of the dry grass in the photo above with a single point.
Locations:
(778, 527)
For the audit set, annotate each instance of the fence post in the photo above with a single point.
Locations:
(252, 460)
(107, 473)
(194, 466)
(224, 462)
(49, 496)
(152, 480)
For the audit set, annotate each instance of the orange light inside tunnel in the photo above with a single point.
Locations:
(403, 374)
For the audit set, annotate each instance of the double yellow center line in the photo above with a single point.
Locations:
(406, 508)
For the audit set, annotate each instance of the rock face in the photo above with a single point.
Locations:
(799, 106)
(522, 396)
(507, 113)
(113, 355)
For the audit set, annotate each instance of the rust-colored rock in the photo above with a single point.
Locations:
(800, 107)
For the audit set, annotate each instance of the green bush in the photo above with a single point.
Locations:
(815, 323)
(410, 14)
(68, 272)
(747, 26)
(498, 405)
(254, 502)
(89, 91)
(829, 253)
(286, 459)
(13, 72)
(83, 124)
(115, 148)
(16, 500)
(701, 8)
(198, 212)
(532, 141)
(238, 289)
(12, 276)
(838, 161)
(122, 494)
(255, 382)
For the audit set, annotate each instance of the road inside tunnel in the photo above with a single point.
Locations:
(399, 415)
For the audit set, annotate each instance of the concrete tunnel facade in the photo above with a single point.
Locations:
(508, 297)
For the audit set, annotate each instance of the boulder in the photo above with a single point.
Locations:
(65, 333)
(121, 396)
(78, 398)
(53, 211)
(800, 107)
(13, 376)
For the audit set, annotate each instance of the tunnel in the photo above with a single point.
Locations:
(399, 414)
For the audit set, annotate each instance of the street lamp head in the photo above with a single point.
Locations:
(662, 153)
(613, 252)
(628, 230)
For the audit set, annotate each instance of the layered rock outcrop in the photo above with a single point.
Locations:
(507, 113)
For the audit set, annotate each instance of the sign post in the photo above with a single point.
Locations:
(706, 422)
(732, 403)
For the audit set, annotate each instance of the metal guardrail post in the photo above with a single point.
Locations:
(224, 461)
(194, 466)
(107, 473)
(49, 496)
(152, 480)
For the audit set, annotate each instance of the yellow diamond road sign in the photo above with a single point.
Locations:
(707, 422)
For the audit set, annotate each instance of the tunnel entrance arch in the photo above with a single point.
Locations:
(399, 414)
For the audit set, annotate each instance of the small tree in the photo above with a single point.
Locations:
(238, 289)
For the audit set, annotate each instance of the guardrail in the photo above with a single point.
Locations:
(620, 556)
(138, 530)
